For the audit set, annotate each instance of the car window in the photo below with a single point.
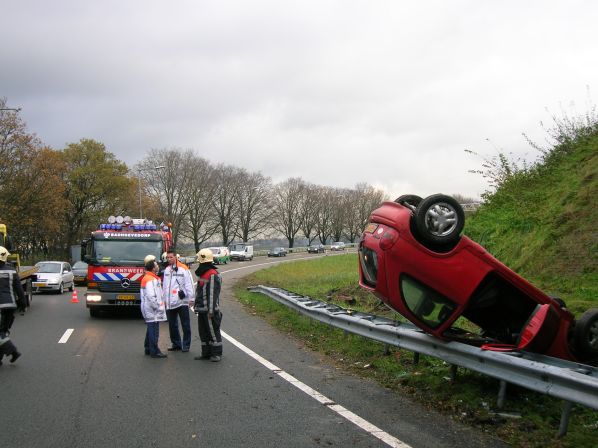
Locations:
(67, 267)
(427, 305)
(80, 265)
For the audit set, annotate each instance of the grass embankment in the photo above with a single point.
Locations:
(471, 399)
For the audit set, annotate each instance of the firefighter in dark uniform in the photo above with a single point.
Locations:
(11, 298)
(207, 306)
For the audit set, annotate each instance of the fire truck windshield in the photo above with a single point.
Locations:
(124, 251)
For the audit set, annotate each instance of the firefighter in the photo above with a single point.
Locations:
(207, 306)
(178, 291)
(11, 298)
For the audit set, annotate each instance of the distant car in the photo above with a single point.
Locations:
(221, 255)
(277, 252)
(414, 259)
(316, 249)
(54, 276)
(338, 245)
(80, 273)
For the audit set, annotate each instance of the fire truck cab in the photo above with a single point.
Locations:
(114, 254)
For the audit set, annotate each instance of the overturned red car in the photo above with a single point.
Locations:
(413, 257)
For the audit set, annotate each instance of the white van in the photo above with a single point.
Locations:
(241, 251)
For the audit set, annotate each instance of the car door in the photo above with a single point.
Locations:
(68, 277)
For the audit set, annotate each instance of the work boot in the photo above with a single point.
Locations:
(215, 358)
(15, 355)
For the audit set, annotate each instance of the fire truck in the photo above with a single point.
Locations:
(114, 254)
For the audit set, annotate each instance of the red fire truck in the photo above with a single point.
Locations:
(115, 254)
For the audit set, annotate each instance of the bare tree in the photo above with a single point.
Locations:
(286, 216)
(340, 207)
(324, 216)
(308, 209)
(225, 201)
(368, 199)
(200, 223)
(171, 185)
(254, 204)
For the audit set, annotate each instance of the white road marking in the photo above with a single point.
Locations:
(65, 337)
(340, 410)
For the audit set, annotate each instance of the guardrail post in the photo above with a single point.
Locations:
(386, 349)
(567, 406)
(502, 393)
(453, 373)
(415, 358)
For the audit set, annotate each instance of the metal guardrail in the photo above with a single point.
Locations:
(570, 381)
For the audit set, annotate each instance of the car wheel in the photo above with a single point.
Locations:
(61, 288)
(409, 200)
(439, 220)
(586, 334)
(72, 287)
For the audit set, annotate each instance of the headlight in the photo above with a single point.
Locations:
(93, 298)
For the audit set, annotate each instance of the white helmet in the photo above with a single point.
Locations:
(164, 257)
(4, 253)
(149, 258)
(205, 256)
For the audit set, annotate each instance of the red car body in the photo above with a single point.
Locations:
(433, 288)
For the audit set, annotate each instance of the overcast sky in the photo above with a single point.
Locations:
(336, 92)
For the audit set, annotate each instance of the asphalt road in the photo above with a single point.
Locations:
(98, 389)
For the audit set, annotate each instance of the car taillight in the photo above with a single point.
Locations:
(388, 238)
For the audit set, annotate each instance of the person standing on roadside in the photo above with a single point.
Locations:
(207, 306)
(178, 291)
(152, 307)
(11, 298)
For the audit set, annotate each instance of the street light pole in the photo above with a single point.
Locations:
(159, 167)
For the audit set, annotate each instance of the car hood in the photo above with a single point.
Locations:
(80, 272)
(48, 276)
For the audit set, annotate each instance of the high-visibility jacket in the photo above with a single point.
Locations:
(177, 278)
(11, 291)
(152, 303)
(207, 298)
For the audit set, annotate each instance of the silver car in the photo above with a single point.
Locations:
(54, 276)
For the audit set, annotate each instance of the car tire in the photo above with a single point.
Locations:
(409, 200)
(438, 222)
(72, 287)
(585, 334)
(61, 289)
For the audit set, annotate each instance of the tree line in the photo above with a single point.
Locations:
(50, 199)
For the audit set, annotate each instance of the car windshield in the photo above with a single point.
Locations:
(125, 251)
(49, 268)
(428, 306)
(80, 265)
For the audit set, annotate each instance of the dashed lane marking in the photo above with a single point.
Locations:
(65, 337)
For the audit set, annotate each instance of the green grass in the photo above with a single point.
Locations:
(470, 399)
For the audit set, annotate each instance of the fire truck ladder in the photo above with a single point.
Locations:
(570, 381)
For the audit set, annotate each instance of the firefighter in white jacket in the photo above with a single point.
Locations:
(178, 291)
(152, 307)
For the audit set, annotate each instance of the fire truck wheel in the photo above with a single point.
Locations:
(438, 222)
(94, 313)
(586, 334)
